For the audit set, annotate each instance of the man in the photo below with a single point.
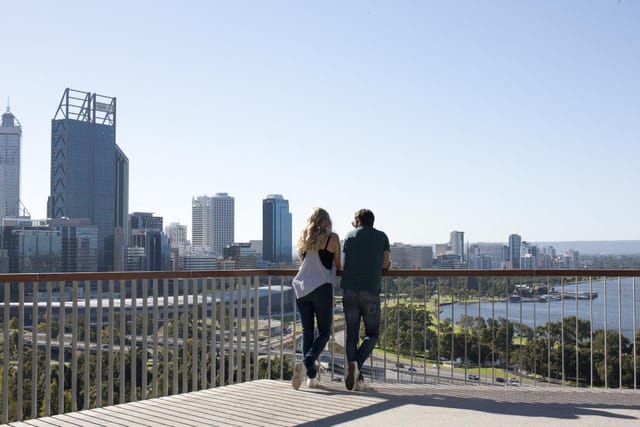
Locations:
(366, 255)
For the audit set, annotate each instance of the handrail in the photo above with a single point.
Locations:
(189, 274)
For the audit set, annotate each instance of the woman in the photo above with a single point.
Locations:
(319, 249)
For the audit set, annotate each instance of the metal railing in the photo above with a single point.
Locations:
(86, 340)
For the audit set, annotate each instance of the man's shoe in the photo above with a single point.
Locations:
(360, 384)
(352, 375)
(299, 371)
(313, 382)
(318, 368)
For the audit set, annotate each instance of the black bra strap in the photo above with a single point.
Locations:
(327, 245)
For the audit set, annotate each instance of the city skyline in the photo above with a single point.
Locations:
(493, 119)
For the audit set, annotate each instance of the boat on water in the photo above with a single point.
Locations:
(547, 297)
(557, 296)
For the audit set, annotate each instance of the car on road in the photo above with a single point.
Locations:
(500, 380)
(412, 369)
(513, 381)
(473, 377)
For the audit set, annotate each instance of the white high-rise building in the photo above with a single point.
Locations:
(177, 234)
(212, 223)
(201, 223)
(222, 222)
(10, 138)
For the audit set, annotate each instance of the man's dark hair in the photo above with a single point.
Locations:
(365, 216)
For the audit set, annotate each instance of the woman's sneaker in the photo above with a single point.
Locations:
(299, 371)
(313, 382)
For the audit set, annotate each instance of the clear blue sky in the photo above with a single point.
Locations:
(488, 117)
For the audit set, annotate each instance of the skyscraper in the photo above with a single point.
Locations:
(201, 223)
(515, 241)
(212, 222)
(276, 229)
(10, 138)
(177, 234)
(222, 222)
(149, 247)
(456, 240)
(90, 173)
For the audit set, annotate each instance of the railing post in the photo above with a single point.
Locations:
(176, 297)
(203, 304)
(620, 333)
(635, 335)
(577, 339)
(99, 311)
(165, 336)
(591, 331)
(74, 345)
(438, 330)
(493, 332)
(215, 346)
(20, 361)
(5, 352)
(34, 350)
(224, 297)
(548, 333)
(282, 331)
(122, 340)
(183, 317)
(145, 335)
(87, 343)
(386, 338)
(133, 346)
(111, 329)
(256, 326)
(47, 352)
(606, 333)
(192, 323)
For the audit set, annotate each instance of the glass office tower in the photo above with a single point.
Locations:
(10, 137)
(222, 222)
(276, 230)
(90, 173)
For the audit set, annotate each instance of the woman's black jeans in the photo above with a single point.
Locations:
(317, 305)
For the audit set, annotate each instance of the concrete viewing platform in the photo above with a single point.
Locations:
(275, 403)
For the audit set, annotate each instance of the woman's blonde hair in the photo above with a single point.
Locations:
(318, 227)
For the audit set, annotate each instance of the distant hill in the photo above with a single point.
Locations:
(602, 247)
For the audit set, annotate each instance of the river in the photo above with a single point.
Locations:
(618, 294)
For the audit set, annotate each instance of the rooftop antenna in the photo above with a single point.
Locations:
(8, 105)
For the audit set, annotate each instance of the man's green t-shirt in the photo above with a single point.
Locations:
(363, 250)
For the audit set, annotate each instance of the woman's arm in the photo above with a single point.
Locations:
(334, 246)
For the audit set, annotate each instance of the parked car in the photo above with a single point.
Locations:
(399, 365)
(412, 369)
(500, 380)
(513, 381)
(473, 377)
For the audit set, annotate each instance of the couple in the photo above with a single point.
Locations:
(366, 255)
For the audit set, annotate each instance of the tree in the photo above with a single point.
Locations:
(406, 329)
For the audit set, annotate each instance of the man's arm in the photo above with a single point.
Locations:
(386, 260)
